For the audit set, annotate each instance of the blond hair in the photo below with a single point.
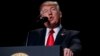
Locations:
(53, 3)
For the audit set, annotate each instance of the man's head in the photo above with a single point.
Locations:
(51, 10)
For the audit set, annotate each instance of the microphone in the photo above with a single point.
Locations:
(42, 20)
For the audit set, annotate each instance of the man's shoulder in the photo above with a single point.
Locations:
(71, 31)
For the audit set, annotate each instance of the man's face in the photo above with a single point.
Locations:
(52, 13)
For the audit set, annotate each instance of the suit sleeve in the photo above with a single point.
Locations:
(75, 43)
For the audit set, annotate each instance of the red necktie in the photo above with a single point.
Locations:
(50, 40)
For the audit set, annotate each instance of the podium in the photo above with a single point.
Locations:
(31, 51)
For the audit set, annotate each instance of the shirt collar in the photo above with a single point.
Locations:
(55, 29)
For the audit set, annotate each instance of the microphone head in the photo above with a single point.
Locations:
(42, 20)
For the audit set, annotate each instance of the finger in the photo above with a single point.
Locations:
(72, 53)
(67, 53)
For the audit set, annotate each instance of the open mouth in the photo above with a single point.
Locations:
(51, 18)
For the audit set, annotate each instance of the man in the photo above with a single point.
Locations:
(54, 33)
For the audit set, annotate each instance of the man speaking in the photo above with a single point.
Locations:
(54, 33)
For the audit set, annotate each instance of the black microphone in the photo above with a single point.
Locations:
(42, 20)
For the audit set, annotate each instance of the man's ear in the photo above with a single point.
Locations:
(40, 12)
(60, 14)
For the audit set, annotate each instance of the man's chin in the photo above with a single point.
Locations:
(53, 25)
(50, 24)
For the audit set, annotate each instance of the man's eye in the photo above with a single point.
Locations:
(44, 11)
(53, 9)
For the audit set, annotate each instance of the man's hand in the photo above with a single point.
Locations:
(68, 52)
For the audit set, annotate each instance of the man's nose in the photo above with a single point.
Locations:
(50, 13)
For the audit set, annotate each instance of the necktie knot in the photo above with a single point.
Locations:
(51, 31)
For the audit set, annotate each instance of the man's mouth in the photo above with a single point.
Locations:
(51, 18)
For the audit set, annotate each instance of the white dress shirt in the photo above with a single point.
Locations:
(56, 30)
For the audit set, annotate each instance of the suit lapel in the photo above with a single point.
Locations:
(42, 36)
(60, 37)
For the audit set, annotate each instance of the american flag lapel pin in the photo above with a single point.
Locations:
(62, 34)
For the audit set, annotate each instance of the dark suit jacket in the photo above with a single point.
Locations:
(65, 38)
